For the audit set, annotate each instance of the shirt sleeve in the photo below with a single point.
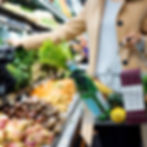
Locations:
(67, 31)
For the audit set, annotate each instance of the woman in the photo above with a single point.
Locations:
(110, 24)
(128, 20)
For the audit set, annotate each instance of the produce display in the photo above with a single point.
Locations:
(31, 66)
(23, 133)
(38, 16)
(29, 122)
(58, 93)
(43, 91)
(33, 109)
(47, 101)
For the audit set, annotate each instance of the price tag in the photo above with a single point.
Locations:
(87, 130)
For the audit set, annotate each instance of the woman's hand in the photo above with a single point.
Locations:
(15, 42)
(133, 44)
(132, 38)
(135, 41)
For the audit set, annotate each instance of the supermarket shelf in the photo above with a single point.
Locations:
(43, 4)
(70, 127)
(73, 105)
(16, 21)
(46, 4)
(11, 23)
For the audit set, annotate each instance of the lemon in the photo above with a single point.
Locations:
(118, 115)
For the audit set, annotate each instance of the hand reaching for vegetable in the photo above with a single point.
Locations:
(15, 42)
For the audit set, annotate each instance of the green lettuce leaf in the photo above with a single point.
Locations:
(55, 55)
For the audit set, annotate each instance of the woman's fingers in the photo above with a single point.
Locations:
(132, 38)
(14, 42)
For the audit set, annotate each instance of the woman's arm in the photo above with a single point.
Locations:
(68, 31)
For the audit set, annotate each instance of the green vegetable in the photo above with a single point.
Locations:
(115, 99)
(55, 55)
(49, 54)
(21, 77)
(104, 116)
(20, 68)
(144, 81)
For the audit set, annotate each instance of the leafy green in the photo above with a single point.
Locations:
(20, 68)
(21, 77)
(55, 55)
(115, 99)
(49, 55)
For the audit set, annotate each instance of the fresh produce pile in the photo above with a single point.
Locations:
(36, 119)
(33, 65)
(37, 111)
(59, 93)
(23, 133)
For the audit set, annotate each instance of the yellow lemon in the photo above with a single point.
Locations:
(118, 115)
